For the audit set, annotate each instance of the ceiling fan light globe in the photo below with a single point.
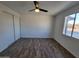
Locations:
(37, 10)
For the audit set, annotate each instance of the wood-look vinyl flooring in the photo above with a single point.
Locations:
(36, 48)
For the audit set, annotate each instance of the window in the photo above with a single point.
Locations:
(71, 25)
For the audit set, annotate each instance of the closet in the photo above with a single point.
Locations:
(9, 29)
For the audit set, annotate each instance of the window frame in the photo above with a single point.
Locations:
(71, 36)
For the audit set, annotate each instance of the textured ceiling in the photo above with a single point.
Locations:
(53, 7)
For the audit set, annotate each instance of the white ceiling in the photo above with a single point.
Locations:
(53, 7)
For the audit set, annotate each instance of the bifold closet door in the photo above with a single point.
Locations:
(6, 30)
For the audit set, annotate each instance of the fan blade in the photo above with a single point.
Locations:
(43, 10)
(32, 10)
(36, 4)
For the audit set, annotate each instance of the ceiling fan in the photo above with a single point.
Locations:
(37, 8)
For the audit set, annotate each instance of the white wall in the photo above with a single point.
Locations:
(36, 26)
(9, 27)
(70, 44)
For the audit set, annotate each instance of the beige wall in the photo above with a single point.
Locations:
(36, 26)
(9, 27)
(69, 43)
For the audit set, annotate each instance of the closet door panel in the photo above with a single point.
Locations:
(6, 30)
(17, 27)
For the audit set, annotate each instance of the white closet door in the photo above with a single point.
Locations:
(6, 30)
(17, 27)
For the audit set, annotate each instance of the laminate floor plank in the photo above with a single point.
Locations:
(36, 48)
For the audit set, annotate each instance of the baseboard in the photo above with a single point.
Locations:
(35, 38)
